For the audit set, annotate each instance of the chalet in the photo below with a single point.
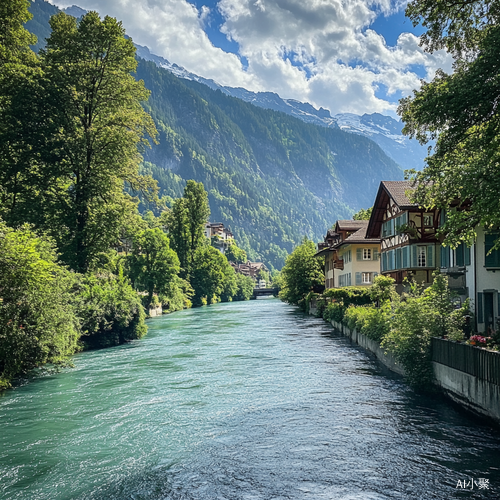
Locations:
(409, 246)
(251, 269)
(350, 257)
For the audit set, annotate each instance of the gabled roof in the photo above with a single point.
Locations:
(387, 190)
(359, 236)
(349, 225)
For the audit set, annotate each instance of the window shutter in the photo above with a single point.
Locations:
(430, 256)
(359, 254)
(442, 217)
(445, 257)
(398, 258)
(358, 278)
(405, 218)
(414, 261)
(392, 231)
(460, 257)
(467, 260)
(349, 282)
(391, 260)
(405, 251)
(493, 259)
(480, 315)
(375, 255)
(384, 261)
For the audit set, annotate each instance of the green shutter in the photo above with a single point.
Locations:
(398, 258)
(359, 254)
(405, 256)
(480, 318)
(445, 257)
(493, 259)
(392, 230)
(467, 256)
(460, 255)
(384, 261)
(413, 256)
(358, 278)
(391, 260)
(376, 255)
(405, 218)
(430, 256)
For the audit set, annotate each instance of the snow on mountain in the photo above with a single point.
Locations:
(383, 130)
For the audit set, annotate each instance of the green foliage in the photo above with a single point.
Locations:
(236, 254)
(110, 310)
(363, 214)
(383, 289)
(301, 272)
(334, 311)
(78, 161)
(459, 110)
(244, 289)
(417, 317)
(211, 272)
(187, 224)
(37, 320)
(374, 322)
(154, 266)
(339, 299)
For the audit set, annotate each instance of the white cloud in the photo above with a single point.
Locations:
(319, 51)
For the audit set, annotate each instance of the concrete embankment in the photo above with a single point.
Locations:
(478, 391)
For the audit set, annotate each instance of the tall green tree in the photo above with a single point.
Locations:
(460, 111)
(187, 224)
(18, 69)
(210, 275)
(154, 265)
(302, 271)
(87, 123)
(236, 254)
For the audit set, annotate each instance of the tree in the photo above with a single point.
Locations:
(363, 214)
(460, 110)
(37, 320)
(109, 310)
(245, 287)
(236, 254)
(211, 271)
(187, 224)
(154, 265)
(301, 272)
(87, 122)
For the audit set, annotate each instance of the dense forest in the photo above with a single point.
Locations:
(271, 177)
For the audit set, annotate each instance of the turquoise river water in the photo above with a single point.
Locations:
(251, 401)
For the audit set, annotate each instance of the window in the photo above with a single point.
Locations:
(493, 259)
(366, 278)
(367, 254)
(428, 220)
(421, 256)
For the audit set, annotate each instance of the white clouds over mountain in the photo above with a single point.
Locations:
(319, 51)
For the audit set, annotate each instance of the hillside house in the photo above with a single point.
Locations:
(409, 246)
(220, 236)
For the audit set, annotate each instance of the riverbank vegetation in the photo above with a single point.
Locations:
(79, 265)
(403, 324)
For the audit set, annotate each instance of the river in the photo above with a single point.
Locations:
(251, 401)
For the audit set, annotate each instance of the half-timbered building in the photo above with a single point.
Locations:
(409, 246)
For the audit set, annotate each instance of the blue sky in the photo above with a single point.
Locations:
(356, 56)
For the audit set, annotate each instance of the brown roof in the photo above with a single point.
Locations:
(349, 225)
(359, 236)
(397, 191)
(387, 190)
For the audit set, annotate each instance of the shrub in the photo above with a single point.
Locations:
(110, 311)
(334, 311)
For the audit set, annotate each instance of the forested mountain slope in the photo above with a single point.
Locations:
(271, 177)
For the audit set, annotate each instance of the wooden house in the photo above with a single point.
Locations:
(409, 246)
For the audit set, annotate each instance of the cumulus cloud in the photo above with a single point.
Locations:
(319, 51)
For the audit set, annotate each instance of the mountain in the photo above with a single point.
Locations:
(272, 177)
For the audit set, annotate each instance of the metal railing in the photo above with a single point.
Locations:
(478, 362)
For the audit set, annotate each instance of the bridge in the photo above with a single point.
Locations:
(262, 292)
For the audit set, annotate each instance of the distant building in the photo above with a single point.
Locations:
(251, 269)
(351, 259)
(220, 236)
